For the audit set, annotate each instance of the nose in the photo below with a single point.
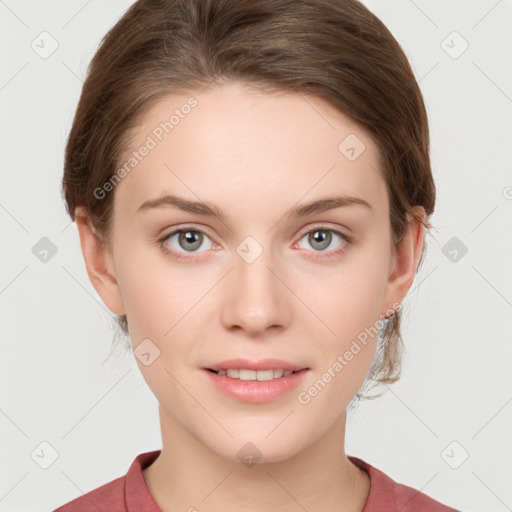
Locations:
(256, 296)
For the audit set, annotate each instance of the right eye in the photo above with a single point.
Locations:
(180, 241)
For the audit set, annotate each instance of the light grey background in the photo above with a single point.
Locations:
(56, 333)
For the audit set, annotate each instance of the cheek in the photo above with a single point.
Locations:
(347, 299)
(345, 329)
(159, 301)
(164, 305)
(156, 293)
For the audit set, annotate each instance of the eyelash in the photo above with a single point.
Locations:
(173, 254)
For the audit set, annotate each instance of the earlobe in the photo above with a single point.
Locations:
(99, 263)
(405, 260)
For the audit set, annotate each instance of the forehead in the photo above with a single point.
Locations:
(238, 142)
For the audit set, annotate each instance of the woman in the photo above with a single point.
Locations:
(287, 143)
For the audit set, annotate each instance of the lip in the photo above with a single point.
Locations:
(255, 391)
(262, 364)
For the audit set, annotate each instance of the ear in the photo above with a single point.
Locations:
(405, 261)
(99, 263)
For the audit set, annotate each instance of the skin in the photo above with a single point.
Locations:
(255, 155)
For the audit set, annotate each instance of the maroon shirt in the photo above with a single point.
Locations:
(129, 493)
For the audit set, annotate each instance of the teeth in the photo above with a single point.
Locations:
(264, 374)
(259, 375)
(246, 374)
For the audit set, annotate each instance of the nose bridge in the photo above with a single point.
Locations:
(257, 297)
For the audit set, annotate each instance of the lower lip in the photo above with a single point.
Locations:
(256, 391)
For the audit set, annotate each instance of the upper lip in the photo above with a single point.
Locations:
(262, 364)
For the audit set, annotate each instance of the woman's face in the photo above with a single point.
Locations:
(266, 278)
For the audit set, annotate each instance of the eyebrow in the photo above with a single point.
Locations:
(205, 208)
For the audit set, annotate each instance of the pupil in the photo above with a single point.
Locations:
(321, 237)
(192, 239)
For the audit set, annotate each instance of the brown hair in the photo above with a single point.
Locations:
(336, 50)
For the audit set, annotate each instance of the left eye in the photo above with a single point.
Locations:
(320, 239)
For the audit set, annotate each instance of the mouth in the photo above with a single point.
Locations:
(255, 382)
(259, 375)
(247, 369)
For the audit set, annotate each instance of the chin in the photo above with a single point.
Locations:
(255, 447)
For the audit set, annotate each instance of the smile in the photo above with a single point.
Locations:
(255, 386)
(260, 375)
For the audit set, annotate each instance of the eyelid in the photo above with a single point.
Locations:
(322, 226)
(184, 227)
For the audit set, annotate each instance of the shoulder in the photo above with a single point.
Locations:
(109, 496)
(119, 495)
(386, 495)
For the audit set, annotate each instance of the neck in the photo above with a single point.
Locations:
(188, 475)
